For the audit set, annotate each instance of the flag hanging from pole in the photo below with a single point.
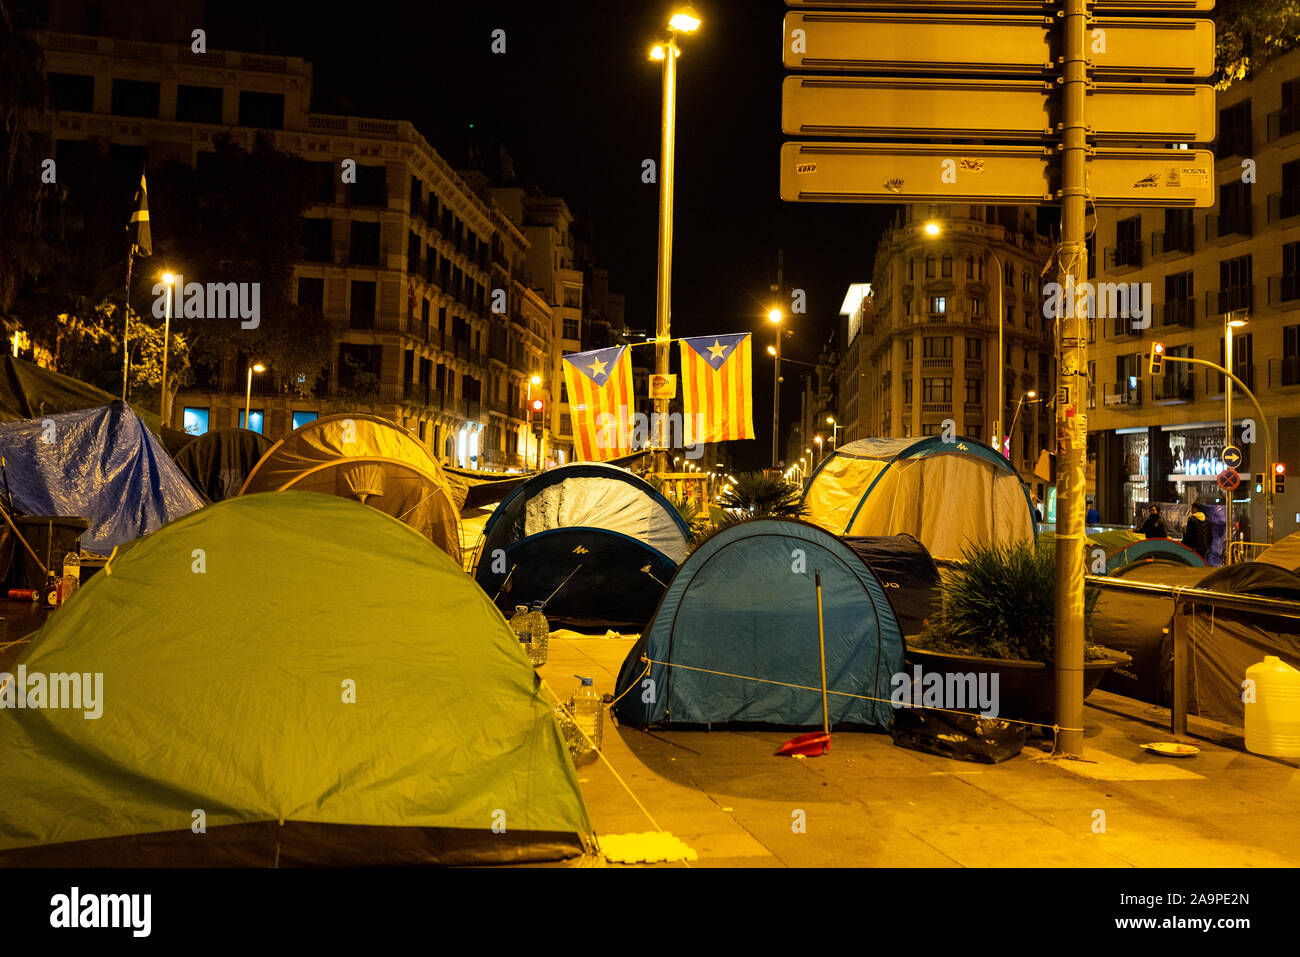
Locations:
(140, 220)
(717, 388)
(600, 397)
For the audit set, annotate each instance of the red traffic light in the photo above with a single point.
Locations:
(1158, 348)
(1279, 468)
(537, 405)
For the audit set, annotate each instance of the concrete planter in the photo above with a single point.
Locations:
(1026, 689)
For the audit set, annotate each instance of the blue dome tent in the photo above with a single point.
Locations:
(596, 540)
(745, 604)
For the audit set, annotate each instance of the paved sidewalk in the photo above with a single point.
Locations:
(869, 803)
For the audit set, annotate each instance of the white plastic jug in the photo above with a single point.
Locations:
(1273, 718)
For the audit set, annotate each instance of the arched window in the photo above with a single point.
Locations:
(946, 266)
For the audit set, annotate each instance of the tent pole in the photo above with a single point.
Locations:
(821, 645)
(45, 571)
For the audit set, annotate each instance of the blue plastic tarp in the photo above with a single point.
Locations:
(100, 464)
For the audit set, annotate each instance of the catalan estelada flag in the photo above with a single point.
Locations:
(600, 402)
(717, 388)
(140, 220)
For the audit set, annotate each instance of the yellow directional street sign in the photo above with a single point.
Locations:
(992, 43)
(943, 173)
(864, 107)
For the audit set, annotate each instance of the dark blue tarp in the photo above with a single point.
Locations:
(745, 604)
(100, 464)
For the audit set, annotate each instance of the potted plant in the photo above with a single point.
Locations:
(997, 615)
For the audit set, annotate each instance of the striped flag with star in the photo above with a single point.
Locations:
(140, 220)
(600, 402)
(717, 388)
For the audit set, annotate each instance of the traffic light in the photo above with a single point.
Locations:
(1279, 478)
(1157, 358)
(535, 409)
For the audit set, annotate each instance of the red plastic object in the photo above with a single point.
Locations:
(809, 745)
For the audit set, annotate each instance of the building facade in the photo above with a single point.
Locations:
(926, 349)
(454, 295)
(1161, 439)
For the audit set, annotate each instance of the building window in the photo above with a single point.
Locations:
(907, 348)
(198, 104)
(907, 391)
(301, 418)
(362, 312)
(976, 308)
(365, 244)
(945, 268)
(929, 267)
(974, 349)
(911, 270)
(371, 187)
(1234, 131)
(1234, 209)
(263, 111)
(316, 240)
(938, 347)
(71, 91)
(572, 329)
(936, 390)
(974, 392)
(1236, 284)
(311, 294)
(255, 419)
(135, 98)
(195, 421)
(938, 305)
(973, 431)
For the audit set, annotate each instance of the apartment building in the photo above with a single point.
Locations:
(443, 325)
(929, 343)
(1161, 439)
(852, 372)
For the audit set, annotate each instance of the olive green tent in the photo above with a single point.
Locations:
(288, 678)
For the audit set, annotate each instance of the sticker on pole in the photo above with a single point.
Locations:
(1229, 479)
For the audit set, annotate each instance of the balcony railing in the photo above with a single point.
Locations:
(1284, 288)
(1124, 256)
(1120, 394)
(1178, 312)
(1219, 301)
(1164, 243)
(1224, 225)
(1284, 371)
(1172, 387)
(1283, 205)
(936, 362)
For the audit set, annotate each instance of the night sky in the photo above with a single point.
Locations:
(576, 102)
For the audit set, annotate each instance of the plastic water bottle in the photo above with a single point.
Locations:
(589, 712)
(541, 632)
(522, 624)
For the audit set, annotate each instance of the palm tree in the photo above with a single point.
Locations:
(754, 494)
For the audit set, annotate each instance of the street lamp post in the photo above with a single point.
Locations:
(681, 22)
(835, 430)
(1232, 320)
(932, 228)
(775, 318)
(248, 393)
(169, 279)
(1011, 433)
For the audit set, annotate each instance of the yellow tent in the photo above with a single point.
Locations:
(371, 460)
(947, 494)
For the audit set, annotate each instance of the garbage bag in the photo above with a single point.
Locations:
(960, 736)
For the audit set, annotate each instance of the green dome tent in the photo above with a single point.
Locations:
(228, 643)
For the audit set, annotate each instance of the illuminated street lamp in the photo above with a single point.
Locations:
(248, 394)
(932, 228)
(774, 316)
(1032, 396)
(683, 20)
(835, 434)
(170, 280)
